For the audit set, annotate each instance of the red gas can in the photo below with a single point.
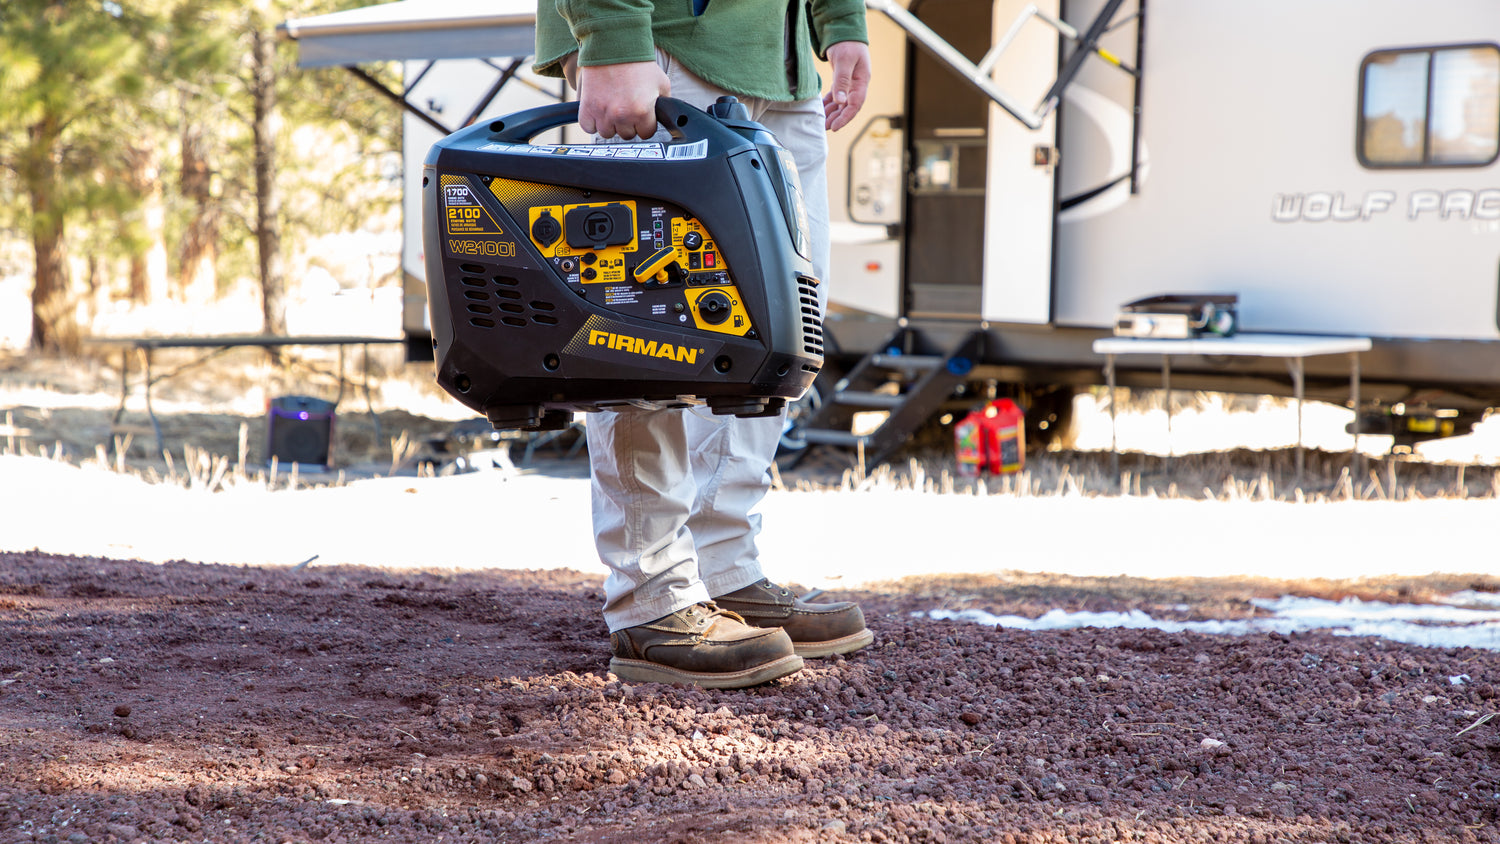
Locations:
(991, 439)
(968, 444)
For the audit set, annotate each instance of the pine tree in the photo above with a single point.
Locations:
(130, 131)
(199, 51)
(244, 186)
(62, 66)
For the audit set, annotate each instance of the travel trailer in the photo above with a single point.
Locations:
(1023, 170)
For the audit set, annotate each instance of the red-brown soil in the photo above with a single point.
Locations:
(193, 702)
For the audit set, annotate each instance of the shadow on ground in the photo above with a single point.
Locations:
(191, 702)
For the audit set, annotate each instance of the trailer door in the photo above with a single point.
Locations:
(980, 209)
(1020, 199)
(948, 137)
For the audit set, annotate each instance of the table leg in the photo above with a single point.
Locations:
(161, 447)
(369, 402)
(339, 399)
(124, 385)
(1114, 444)
(1166, 385)
(1355, 457)
(1296, 365)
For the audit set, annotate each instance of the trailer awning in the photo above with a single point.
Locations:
(415, 30)
(430, 31)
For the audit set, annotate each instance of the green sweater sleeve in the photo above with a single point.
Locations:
(738, 45)
(610, 31)
(837, 20)
(554, 40)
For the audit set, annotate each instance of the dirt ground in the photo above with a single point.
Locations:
(192, 702)
(201, 702)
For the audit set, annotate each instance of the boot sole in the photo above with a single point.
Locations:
(847, 644)
(641, 671)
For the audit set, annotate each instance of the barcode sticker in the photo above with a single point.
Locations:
(684, 152)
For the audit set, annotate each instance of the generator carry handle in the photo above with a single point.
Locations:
(680, 118)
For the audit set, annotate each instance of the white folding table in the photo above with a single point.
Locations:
(1295, 348)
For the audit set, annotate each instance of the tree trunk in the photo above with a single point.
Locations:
(50, 331)
(267, 202)
(197, 258)
(148, 266)
(140, 284)
(49, 296)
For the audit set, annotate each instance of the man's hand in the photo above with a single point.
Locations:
(851, 80)
(620, 99)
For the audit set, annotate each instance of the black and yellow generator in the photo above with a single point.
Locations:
(566, 278)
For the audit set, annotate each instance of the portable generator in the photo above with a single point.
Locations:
(567, 278)
(1180, 316)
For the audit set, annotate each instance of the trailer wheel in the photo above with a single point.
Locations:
(1049, 417)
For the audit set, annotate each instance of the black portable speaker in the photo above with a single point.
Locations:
(299, 430)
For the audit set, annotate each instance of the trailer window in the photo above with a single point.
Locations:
(1430, 107)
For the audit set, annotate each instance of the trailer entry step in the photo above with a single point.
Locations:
(924, 383)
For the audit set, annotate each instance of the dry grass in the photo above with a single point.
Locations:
(1231, 475)
(213, 421)
(212, 416)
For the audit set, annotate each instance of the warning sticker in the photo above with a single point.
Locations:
(646, 150)
(653, 151)
(621, 295)
(462, 213)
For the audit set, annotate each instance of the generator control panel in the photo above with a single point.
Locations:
(630, 255)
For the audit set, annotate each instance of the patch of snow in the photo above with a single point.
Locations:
(1413, 624)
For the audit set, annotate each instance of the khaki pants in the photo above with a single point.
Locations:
(674, 492)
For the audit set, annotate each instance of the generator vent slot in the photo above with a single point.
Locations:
(812, 344)
(543, 319)
(514, 321)
(512, 308)
(475, 269)
(812, 317)
(806, 293)
(508, 294)
(479, 309)
(506, 281)
(476, 295)
(543, 306)
(481, 322)
(472, 281)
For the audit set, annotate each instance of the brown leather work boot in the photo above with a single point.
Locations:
(816, 629)
(703, 645)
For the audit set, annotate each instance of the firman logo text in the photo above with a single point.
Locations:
(642, 346)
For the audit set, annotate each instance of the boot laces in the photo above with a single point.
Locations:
(712, 610)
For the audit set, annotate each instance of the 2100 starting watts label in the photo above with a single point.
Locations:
(469, 227)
